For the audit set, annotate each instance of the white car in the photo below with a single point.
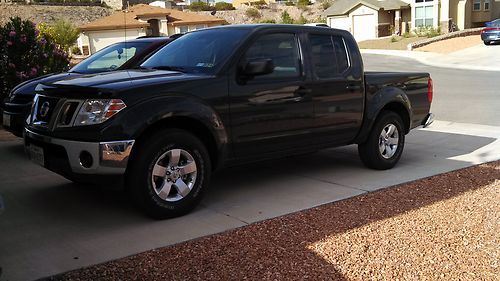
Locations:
(317, 24)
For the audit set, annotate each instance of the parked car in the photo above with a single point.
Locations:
(491, 33)
(219, 97)
(322, 24)
(123, 55)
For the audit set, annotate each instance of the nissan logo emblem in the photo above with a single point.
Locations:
(44, 109)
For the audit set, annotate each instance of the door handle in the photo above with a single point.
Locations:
(303, 91)
(353, 87)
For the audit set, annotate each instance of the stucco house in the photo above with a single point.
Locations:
(140, 20)
(369, 19)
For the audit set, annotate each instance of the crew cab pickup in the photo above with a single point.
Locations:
(219, 97)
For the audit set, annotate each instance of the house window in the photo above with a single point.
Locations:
(486, 5)
(200, 26)
(183, 29)
(477, 5)
(424, 16)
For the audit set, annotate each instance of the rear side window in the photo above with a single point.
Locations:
(329, 55)
(282, 49)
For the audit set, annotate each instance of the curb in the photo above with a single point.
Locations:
(431, 59)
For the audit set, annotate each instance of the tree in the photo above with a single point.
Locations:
(62, 33)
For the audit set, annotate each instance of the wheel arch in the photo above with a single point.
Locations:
(192, 125)
(395, 100)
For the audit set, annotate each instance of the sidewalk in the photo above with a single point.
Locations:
(484, 58)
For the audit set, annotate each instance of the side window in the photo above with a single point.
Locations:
(329, 56)
(282, 49)
(340, 53)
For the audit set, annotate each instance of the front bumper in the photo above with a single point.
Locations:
(14, 117)
(70, 158)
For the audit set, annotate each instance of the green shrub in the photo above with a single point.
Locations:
(301, 20)
(394, 39)
(26, 54)
(289, 3)
(75, 50)
(200, 6)
(286, 18)
(252, 13)
(325, 4)
(407, 34)
(267, 21)
(302, 4)
(63, 33)
(428, 32)
(259, 4)
(224, 6)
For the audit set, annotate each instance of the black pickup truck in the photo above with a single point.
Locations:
(219, 97)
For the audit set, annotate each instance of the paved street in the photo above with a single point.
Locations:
(51, 225)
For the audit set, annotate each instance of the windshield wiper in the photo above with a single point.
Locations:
(171, 68)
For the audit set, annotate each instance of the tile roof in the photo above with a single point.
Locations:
(342, 7)
(129, 18)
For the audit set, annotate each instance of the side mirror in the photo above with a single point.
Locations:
(258, 67)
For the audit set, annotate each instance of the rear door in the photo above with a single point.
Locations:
(337, 89)
(272, 112)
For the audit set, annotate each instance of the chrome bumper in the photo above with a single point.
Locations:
(428, 120)
(109, 158)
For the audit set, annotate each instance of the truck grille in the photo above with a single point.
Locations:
(45, 108)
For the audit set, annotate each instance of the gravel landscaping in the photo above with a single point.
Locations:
(444, 227)
(452, 45)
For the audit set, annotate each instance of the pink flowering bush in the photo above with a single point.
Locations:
(26, 54)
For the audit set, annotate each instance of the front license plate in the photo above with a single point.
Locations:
(6, 120)
(36, 154)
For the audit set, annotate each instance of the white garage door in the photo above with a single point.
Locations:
(340, 23)
(364, 27)
(101, 39)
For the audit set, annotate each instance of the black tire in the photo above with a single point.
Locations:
(486, 43)
(369, 151)
(141, 184)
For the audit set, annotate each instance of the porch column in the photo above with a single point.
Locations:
(397, 22)
(444, 16)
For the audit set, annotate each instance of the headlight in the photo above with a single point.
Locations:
(97, 111)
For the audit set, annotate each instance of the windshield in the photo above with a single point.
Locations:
(198, 52)
(110, 58)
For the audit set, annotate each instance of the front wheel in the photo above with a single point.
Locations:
(384, 145)
(486, 43)
(169, 173)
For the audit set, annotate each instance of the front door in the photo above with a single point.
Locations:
(272, 112)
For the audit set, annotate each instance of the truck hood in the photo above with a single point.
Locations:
(27, 88)
(115, 80)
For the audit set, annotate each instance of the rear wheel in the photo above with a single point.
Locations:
(169, 172)
(385, 144)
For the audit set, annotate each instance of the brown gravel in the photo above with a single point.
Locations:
(452, 45)
(444, 227)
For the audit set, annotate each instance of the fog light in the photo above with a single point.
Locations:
(86, 159)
